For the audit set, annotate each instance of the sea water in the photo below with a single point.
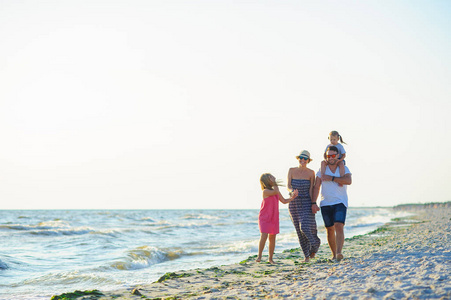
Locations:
(48, 252)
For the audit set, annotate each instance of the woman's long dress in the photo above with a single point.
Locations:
(303, 218)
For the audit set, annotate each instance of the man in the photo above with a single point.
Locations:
(334, 201)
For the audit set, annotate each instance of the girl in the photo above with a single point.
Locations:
(303, 209)
(268, 218)
(334, 137)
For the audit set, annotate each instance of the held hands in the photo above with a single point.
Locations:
(315, 208)
(294, 194)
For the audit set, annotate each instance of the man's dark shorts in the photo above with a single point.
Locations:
(333, 214)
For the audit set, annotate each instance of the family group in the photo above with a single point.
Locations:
(304, 187)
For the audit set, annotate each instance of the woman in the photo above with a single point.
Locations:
(302, 179)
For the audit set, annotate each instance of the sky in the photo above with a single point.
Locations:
(184, 104)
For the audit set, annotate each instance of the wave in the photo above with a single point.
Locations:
(56, 232)
(148, 219)
(199, 216)
(67, 278)
(3, 266)
(56, 227)
(144, 257)
(162, 226)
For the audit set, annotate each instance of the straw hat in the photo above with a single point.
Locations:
(304, 153)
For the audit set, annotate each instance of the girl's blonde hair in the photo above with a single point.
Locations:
(335, 133)
(265, 181)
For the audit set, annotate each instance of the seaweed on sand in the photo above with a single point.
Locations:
(74, 295)
(171, 275)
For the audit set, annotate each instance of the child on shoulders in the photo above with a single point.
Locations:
(334, 137)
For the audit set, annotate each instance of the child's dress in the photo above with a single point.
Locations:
(268, 218)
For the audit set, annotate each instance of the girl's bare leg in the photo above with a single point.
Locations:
(261, 246)
(272, 246)
(341, 167)
(323, 167)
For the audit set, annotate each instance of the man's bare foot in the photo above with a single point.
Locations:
(271, 262)
(259, 259)
(339, 256)
(312, 255)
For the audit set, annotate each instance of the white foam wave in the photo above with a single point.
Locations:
(143, 257)
(378, 218)
(372, 220)
(234, 247)
(200, 216)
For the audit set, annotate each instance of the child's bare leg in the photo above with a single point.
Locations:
(323, 167)
(261, 246)
(272, 246)
(341, 167)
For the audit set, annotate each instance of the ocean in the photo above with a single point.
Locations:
(49, 252)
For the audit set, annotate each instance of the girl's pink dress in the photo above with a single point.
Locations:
(268, 218)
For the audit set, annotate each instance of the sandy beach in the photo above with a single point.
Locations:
(408, 258)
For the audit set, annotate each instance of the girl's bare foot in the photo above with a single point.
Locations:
(339, 256)
(258, 259)
(271, 262)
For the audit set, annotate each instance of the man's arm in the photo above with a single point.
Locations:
(345, 180)
(315, 193)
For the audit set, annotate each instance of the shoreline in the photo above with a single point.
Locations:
(406, 258)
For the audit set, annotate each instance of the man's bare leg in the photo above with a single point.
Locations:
(331, 241)
(339, 238)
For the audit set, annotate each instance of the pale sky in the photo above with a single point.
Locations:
(184, 104)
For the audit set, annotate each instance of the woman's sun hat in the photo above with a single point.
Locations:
(304, 153)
